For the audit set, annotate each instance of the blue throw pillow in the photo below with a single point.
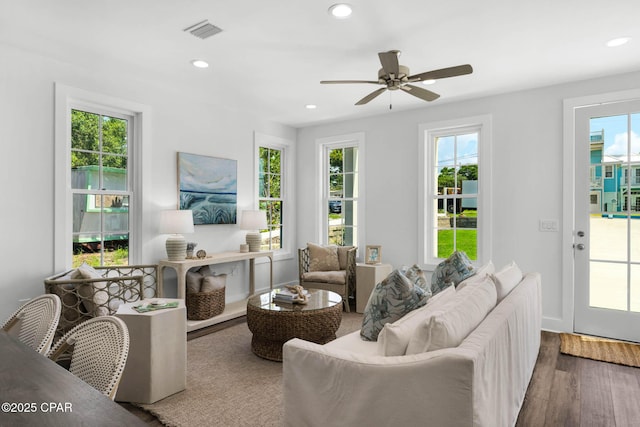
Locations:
(390, 299)
(454, 270)
(417, 276)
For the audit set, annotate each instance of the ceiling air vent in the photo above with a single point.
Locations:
(203, 30)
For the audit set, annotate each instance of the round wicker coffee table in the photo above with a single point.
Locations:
(273, 324)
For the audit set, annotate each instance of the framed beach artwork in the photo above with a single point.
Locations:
(208, 186)
(373, 254)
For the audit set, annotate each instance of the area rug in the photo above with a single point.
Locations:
(227, 385)
(604, 350)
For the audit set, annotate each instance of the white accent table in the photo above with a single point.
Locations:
(231, 310)
(157, 362)
(367, 275)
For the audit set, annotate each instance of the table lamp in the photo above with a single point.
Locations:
(254, 221)
(176, 223)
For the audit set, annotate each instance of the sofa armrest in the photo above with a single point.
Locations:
(324, 386)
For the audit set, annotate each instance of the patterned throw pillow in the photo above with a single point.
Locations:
(454, 269)
(390, 299)
(323, 258)
(416, 276)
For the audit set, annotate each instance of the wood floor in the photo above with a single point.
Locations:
(564, 391)
(572, 391)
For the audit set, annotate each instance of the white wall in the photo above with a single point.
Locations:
(179, 122)
(527, 178)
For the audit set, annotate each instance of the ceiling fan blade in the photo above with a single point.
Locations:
(418, 92)
(389, 61)
(333, 82)
(442, 73)
(371, 96)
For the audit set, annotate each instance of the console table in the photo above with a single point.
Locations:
(231, 311)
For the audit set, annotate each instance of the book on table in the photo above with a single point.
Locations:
(285, 295)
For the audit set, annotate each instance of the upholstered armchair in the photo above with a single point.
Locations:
(332, 268)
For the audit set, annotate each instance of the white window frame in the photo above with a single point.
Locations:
(323, 145)
(428, 131)
(66, 99)
(287, 155)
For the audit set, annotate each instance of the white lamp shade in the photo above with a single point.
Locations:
(176, 222)
(253, 220)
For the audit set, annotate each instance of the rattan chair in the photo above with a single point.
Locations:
(35, 322)
(99, 348)
(342, 282)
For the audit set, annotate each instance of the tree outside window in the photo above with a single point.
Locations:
(342, 200)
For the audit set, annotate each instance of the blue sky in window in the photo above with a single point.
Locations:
(615, 133)
(467, 150)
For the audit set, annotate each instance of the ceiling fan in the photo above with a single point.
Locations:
(395, 76)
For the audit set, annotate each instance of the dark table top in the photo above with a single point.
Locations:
(35, 391)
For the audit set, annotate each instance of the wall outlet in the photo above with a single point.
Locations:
(548, 225)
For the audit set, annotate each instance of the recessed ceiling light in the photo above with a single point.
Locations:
(340, 10)
(199, 63)
(428, 82)
(618, 41)
(310, 106)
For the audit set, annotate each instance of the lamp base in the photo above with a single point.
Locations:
(176, 247)
(254, 240)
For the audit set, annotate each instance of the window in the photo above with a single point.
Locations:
(274, 157)
(342, 200)
(608, 171)
(455, 189)
(100, 187)
(341, 190)
(99, 177)
(270, 195)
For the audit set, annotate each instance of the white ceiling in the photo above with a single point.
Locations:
(271, 55)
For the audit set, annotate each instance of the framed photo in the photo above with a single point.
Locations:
(208, 187)
(373, 254)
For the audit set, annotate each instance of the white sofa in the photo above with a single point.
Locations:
(482, 382)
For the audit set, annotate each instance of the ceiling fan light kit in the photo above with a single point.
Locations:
(395, 76)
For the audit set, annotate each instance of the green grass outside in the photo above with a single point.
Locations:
(116, 257)
(466, 240)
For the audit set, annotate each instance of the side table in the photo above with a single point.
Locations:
(157, 362)
(367, 275)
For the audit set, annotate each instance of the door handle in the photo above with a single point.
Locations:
(580, 233)
(579, 246)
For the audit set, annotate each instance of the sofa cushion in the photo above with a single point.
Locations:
(94, 295)
(506, 279)
(454, 270)
(334, 277)
(478, 275)
(323, 258)
(353, 343)
(342, 256)
(450, 325)
(394, 337)
(418, 277)
(390, 299)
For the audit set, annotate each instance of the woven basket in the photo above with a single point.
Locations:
(205, 305)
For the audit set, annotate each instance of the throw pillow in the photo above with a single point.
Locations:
(417, 276)
(323, 258)
(390, 299)
(507, 279)
(394, 337)
(212, 283)
(94, 295)
(342, 256)
(194, 281)
(450, 325)
(454, 270)
(478, 276)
